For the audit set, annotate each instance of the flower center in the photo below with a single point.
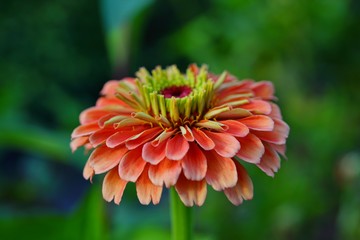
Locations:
(176, 91)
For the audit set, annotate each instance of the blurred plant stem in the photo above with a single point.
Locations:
(181, 220)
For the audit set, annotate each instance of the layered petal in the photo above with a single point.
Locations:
(92, 115)
(243, 188)
(270, 161)
(194, 163)
(119, 138)
(176, 147)
(113, 186)
(258, 122)
(154, 154)
(263, 89)
(221, 171)
(143, 137)
(203, 140)
(225, 144)
(191, 192)
(85, 130)
(251, 148)
(165, 173)
(78, 142)
(132, 165)
(146, 191)
(258, 107)
(278, 135)
(102, 159)
(236, 128)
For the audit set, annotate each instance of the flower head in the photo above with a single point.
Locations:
(185, 131)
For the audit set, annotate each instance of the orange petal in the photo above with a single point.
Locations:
(258, 122)
(143, 137)
(99, 137)
(88, 172)
(166, 172)
(131, 165)
(92, 114)
(221, 171)
(225, 144)
(235, 113)
(194, 163)
(276, 136)
(243, 188)
(113, 186)
(146, 190)
(163, 136)
(203, 140)
(110, 87)
(270, 161)
(176, 147)
(84, 130)
(258, 107)
(187, 133)
(154, 154)
(236, 128)
(191, 192)
(78, 142)
(102, 159)
(279, 148)
(275, 111)
(120, 137)
(251, 148)
(263, 89)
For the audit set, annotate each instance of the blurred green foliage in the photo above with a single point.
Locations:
(55, 57)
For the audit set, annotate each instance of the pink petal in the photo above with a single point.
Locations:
(166, 172)
(276, 136)
(106, 118)
(225, 144)
(154, 154)
(263, 89)
(119, 138)
(102, 159)
(78, 142)
(251, 149)
(143, 137)
(258, 122)
(88, 172)
(191, 192)
(194, 163)
(84, 130)
(113, 186)
(258, 107)
(132, 165)
(203, 140)
(176, 147)
(243, 188)
(275, 111)
(221, 171)
(236, 128)
(92, 114)
(110, 87)
(100, 136)
(187, 133)
(146, 190)
(270, 161)
(279, 148)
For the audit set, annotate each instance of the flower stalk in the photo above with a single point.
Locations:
(181, 218)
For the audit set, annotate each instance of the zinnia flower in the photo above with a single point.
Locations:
(185, 131)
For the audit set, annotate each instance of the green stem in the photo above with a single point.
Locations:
(181, 222)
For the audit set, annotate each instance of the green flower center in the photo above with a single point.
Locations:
(169, 95)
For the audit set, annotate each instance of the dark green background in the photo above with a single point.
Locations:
(56, 55)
